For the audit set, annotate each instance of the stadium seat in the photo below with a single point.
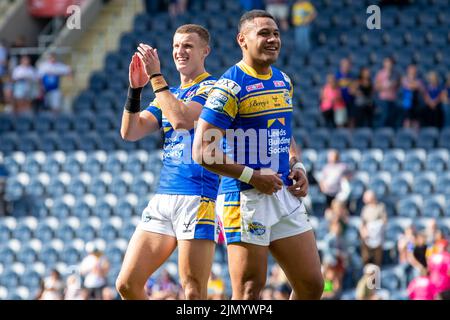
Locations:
(414, 160)
(392, 160)
(437, 160)
(410, 206)
(382, 138)
(424, 183)
(434, 206)
(402, 183)
(370, 160)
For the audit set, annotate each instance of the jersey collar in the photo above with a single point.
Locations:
(198, 79)
(252, 72)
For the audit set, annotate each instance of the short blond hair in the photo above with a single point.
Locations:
(201, 31)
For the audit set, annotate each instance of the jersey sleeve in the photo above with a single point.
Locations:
(155, 109)
(221, 107)
(202, 92)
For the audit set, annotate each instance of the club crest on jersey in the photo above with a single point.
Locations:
(189, 96)
(254, 87)
(279, 83)
(217, 101)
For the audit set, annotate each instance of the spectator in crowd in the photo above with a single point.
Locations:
(109, 293)
(338, 212)
(366, 289)
(432, 115)
(334, 250)
(332, 284)
(362, 91)
(177, 7)
(282, 291)
(332, 104)
(438, 265)
(164, 287)
(405, 245)
(345, 81)
(386, 85)
(279, 9)
(373, 223)
(94, 269)
(430, 231)
(332, 180)
(418, 258)
(73, 288)
(303, 14)
(25, 87)
(412, 89)
(421, 288)
(53, 287)
(50, 72)
(216, 287)
(267, 293)
(446, 101)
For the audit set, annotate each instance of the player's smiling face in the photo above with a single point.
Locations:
(261, 40)
(189, 52)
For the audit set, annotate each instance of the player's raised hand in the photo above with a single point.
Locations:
(266, 182)
(137, 75)
(149, 57)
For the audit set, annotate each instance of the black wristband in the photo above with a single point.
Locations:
(161, 89)
(155, 75)
(133, 103)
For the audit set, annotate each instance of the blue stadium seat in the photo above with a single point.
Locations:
(351, 158)
(405, 139)
(410, 206)
(6, 123)
(424, 183)
(414, 160)
(382, 138)
(392, 160)
(340, 139)
(443, 183)
(380, 183)
(370, 160)
(63, 123)
(437, 160)
(434, 206)
(401, 184)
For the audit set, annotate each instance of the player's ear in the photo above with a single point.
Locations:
(206, 51)
(240, 38)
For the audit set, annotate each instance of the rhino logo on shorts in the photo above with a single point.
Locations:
(256, 228)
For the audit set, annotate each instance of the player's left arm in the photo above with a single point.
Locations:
(298, 174)
(180, 115)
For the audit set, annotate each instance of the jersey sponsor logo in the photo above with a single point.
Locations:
(270, 122)
(256, 228)
(254, 87)
(217, 101)
(287, 97)
(228, 84)
(279, 83)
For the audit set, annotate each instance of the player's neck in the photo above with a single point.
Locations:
(261, 69)
(186, 79)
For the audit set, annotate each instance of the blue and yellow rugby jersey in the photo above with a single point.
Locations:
(243, 99)
(180, 174)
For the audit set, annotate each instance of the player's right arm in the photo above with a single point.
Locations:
(217, 115)
(136, 125)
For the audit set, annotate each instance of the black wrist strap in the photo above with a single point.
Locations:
(155, 75)
(161, 89)
(133, 103)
